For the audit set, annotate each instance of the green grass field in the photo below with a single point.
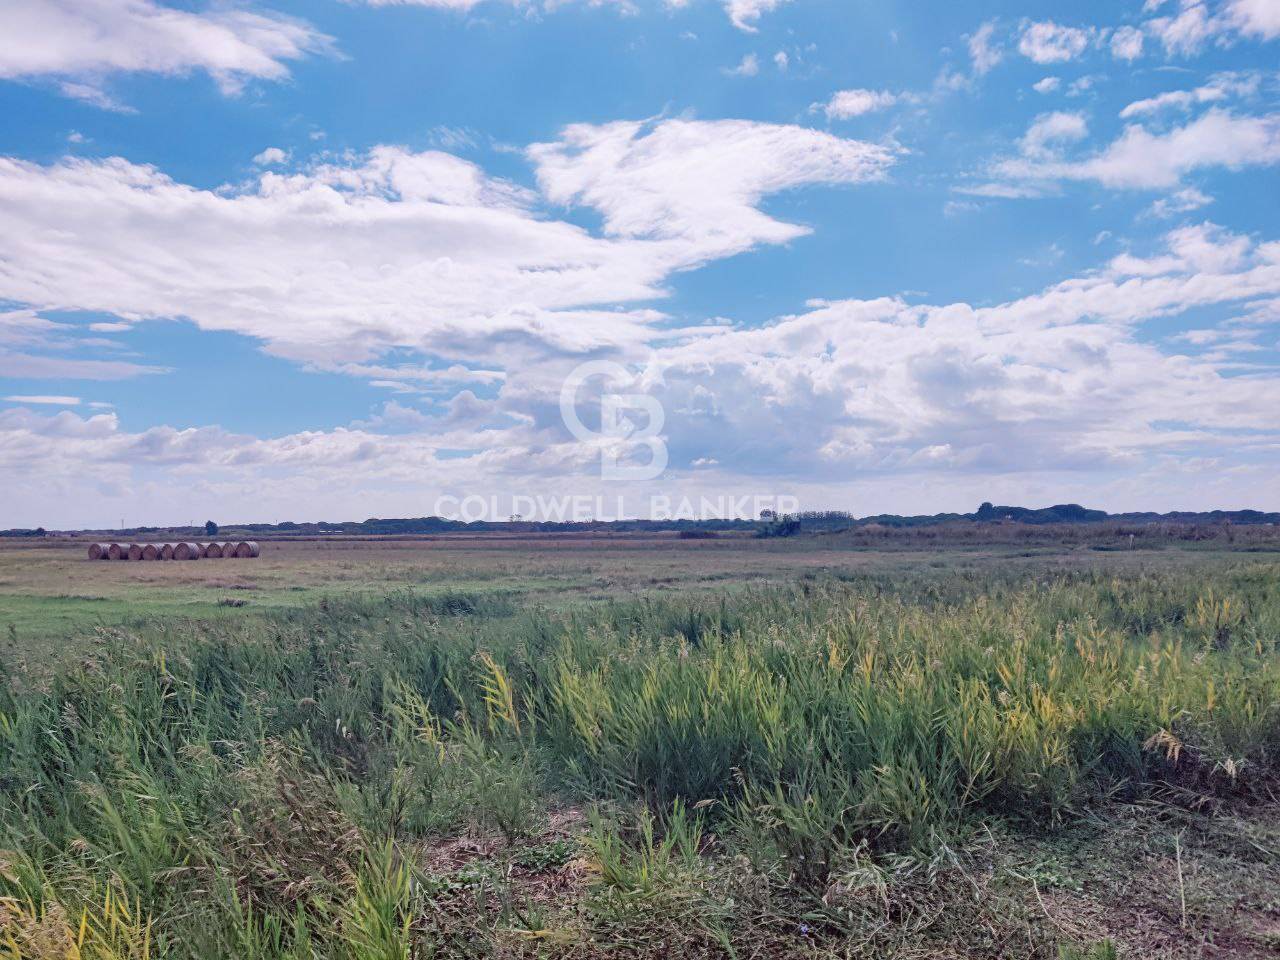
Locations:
(643, 749)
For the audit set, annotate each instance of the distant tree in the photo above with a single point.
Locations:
(986, 511)
(780, 526)
(210, 528)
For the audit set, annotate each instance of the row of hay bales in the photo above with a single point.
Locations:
(183, 550)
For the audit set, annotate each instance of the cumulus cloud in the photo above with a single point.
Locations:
(1187, 31)
(84, 41)
(272, 156)
(1053, 380)
(1049, 42)
(1145, 160)
(1198, 23)
(1126, 43)
(1068, 379)
(845, 104)
(1050, 130)
(1047, 85)
(1256, 18)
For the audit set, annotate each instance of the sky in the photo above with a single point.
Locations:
(278, 260)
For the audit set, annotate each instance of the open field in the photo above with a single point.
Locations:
(49, 591)
(582, 748)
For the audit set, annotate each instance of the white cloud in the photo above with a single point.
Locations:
(415, 250)
(983, 50)
(1197, 23)
(746, 13)
(34, 347)
(1049, 130)
(1145, 160)
(1188, 31)
(749, 66)
(1256, 18)
(94, 95)
(1066, 382)
(1047, 85)
(35, 366)
(697, 182)
(1182, 201)
(46, 400)
(1004, 191)
(1049, 42)
(781, 60)
(85, 40)
(1126, 43)
(1221, 87)
(26, 328)
(845, 104)
(271, 156)
(1081, 85)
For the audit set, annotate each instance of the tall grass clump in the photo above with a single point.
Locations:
(258, 788)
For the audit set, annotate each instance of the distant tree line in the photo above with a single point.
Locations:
(769, 524)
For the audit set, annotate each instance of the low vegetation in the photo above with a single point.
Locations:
(926, 765)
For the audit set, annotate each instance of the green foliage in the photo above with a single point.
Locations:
(266, 792)
(646, 872)
(1105, 950)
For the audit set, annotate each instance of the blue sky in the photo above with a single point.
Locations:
(276, 260)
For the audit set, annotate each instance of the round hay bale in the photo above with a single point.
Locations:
(187, 551)
(117, 552)
(135, 551)
(244, 549)
(166, 551)
(213, 551)
(232, 549)
(150, 551)
(98, 551)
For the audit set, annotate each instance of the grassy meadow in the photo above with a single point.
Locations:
(643, 749)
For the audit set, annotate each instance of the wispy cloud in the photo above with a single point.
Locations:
(82, 42)
(45, 400)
